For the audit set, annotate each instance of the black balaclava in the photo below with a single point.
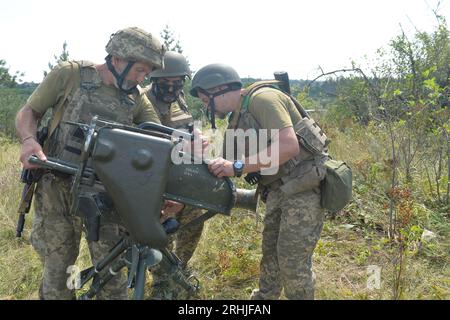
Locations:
(162, 92)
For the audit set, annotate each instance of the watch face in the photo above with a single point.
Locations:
(238, 165)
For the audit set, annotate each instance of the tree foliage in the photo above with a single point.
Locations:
(6, 78)
(170, 42)
(64, 56)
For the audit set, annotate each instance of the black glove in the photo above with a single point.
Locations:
(253, 178)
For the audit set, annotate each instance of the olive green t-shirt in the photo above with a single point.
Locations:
(273, 110)
(51, 90)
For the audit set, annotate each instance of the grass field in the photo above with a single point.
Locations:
(227, 260)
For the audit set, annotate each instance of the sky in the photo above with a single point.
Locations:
(256, 37)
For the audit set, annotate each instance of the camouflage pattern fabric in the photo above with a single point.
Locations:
(183, 243)
(86, 102)
(56, 238)
(175, 114)
(135, 44)
(56, 234)
(292, 227)
(294, 219)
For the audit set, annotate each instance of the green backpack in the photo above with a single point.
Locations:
(336, 188)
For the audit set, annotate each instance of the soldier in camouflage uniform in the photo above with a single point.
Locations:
(166, 94)
(82, 89)
(294, 217)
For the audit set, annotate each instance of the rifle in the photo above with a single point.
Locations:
(29, 177)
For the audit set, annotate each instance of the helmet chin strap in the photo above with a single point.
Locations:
(211, 111)
(120, 78)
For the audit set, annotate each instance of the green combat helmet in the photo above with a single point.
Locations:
(175, 65)
(214, 75)
(211, 76)
(134, 44)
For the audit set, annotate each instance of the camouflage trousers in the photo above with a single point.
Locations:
(183, 243)
(56, 238)
(292, 227)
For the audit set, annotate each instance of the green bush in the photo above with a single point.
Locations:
(11, 100)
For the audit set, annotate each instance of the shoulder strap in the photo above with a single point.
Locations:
(246, 94)
(251, 89)
(270, 84)
(59, 109)
(88, 75)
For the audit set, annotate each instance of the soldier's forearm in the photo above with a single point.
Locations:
(284, 147)
(26, 122)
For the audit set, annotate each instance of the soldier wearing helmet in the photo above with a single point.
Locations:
(288, 174)
(166, 94)
(166, 91)
(76, 91)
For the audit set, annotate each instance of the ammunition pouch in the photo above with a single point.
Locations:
(71, 150)
(305, 176)
(75, 142)
(336, 188)
(310, 136)
(306, 170)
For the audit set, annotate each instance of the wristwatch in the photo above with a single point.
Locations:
(238, 167)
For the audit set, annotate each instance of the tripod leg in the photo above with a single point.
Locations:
(140, 279)
(117, 250)
(100, 281)
(171, 264)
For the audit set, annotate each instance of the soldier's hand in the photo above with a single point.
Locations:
(199, 135)
(170, 209)
(221, 167)
(197, 147)
(31, 147)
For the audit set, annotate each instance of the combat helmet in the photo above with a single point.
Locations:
(214, 75)
(175, 65)
(211, 76)
(135, 44)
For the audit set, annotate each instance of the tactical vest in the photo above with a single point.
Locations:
(83, 103)
(175, 115)
(312, 142)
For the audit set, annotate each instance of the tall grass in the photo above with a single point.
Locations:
(227, 259)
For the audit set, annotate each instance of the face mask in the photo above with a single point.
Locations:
(167, 92)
